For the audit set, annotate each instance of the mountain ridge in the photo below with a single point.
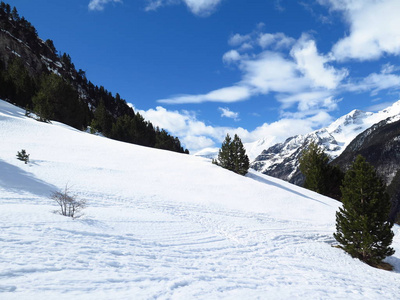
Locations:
(281, 160)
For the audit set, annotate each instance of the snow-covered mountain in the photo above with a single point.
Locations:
(380, 145)
(281, 160)
(163, 225)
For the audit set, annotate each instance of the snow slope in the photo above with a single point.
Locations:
(162, 225)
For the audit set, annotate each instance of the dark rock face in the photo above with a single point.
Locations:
(11, 47)
(282, 160)
(380, 145)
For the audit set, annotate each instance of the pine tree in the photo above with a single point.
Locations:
(313, 163)
(319, 175)
(225, 154)
(241, 161)
(232, 156)
(23, 156)
(362, 225)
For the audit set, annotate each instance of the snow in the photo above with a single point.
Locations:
(255, 148)
(346, 128)
(162, 225)
(209, 153)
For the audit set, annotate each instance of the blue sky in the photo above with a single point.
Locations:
(260, 68)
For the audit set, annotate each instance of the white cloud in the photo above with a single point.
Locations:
(315, 66)
(196, 135)
(309, 103)
(238, 39)
(202, 7)
(227, 94)
(375, 82)
(272, 72)
(100, 4)
(226, 112)
(198, 7)
(231, 56)
(374, 28)
(379, 106)
(276, 41)
(300, 77)
(389, 68)
(153, 5)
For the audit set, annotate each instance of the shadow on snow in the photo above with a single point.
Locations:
(15, 179)
(266, 181)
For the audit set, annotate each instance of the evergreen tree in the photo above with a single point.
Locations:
(20, 85)
(240, 159)
(362, 225)
(23, 156)
(232, 155)
(319, 175)
(313, 163)
(225, 154)
(56, 99)
(102, 120)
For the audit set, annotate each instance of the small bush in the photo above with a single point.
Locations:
(23, 156)
(70, 206)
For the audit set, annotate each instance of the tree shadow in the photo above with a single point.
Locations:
(15, 179)
(395, 262)
(11, 110)
(269, 182)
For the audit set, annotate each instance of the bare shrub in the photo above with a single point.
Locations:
(70, 206)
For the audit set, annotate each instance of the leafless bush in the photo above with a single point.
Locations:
(70, 206)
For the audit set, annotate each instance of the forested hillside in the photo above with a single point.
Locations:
(37, 77)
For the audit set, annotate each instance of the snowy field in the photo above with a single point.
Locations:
(161, 225)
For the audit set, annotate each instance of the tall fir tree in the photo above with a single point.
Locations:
(313, 162)
(225, 154)
(232, 155)
(241, 161)
(362, 226)
(319, 176)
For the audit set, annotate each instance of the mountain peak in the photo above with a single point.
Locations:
(281, 160)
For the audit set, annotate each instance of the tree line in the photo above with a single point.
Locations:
(65, 94)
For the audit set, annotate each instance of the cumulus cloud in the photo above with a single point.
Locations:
(198, 7)
(202, 7)
(238, 39)
(293, 71)
(272, 72)
(231, 56)
(315, 66)
(100, 4)
(374, 28)
(226, 112)
(196, 135)
(277, 41)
